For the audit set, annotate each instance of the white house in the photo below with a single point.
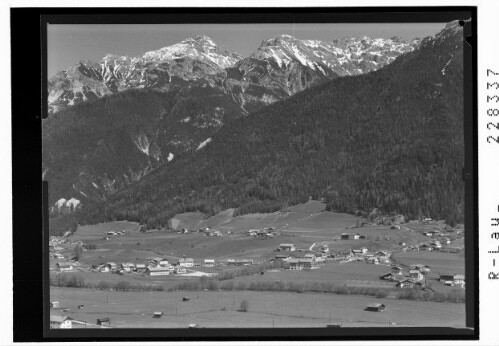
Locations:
(180, 270)
(186, 262)
(287, 247)
(62, 322)
(209, 262)
(157, 271)
(65, 266)
(416, 275)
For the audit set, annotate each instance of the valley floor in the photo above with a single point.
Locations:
(265, 309)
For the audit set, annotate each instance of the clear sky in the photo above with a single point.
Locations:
(68, 44)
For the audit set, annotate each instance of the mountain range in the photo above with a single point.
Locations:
(280, 67)
(390, 139)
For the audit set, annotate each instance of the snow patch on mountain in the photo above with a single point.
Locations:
(142, 143)
(60, 203)
(72, 203)
(203, 144)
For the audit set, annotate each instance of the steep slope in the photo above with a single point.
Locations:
(94, 149)
(390, 139)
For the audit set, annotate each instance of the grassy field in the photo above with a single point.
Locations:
(265, 309)
(439, 262)
(338, 273)
(304, 225)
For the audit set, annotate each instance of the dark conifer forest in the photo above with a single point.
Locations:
(390, 139)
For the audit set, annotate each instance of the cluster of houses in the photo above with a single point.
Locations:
(207, 231)
(267, 232)
(110, 234)
(157, 266)
(56, 247)
(413, 278)
(452, 280)
(324, 255)
(154, 267)
(362, 254)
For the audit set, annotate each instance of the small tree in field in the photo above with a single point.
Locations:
(78, 251)
(244, 306)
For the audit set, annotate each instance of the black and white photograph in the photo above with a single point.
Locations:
(255, 175)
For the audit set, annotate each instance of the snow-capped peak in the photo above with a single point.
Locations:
(201, 48)
(343, 56)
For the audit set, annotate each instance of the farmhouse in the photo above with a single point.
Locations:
(244, 262)
(324, 248)
(252, 232)
(186, 262)
(447, 277)
(387, 277)
(140, 267)
(209, 262)
(299, 263)
(157, 314)
(382, 254)
(356, 236)
(310, 256)
(344, 236)
(127, 266)
(375, 307)
(397, 278)
(103, 321)
(425, 247)
(282, 257)
(231, 261)
(396, 270)
(180, 270)
(155, 260)
(459, 279)
(62, 322)
(65, 266)
(157, 271)
(164, 262)
(372, 260)
(405, 284)
(111, 265)
(416, 275)
(436, 245)
(103, 268)
(287, 247)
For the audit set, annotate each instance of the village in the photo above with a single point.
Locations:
(292, 258)
(396, 252)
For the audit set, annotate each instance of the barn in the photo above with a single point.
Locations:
(376, 307)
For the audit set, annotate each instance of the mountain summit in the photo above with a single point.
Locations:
(201, 47)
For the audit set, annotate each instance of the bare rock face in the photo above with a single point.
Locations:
(279, 68)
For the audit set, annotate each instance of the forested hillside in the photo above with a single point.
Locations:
(94, 149)
(391, 139)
